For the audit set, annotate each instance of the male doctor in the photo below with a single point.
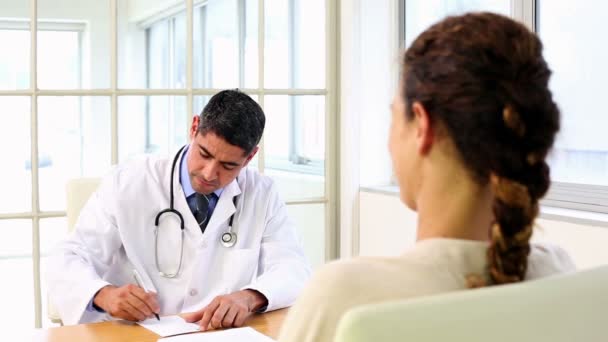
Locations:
(220, 273)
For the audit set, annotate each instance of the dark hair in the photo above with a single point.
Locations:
(235, 117)
(483, 79)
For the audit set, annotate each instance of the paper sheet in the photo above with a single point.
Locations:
(229, 335)
(169, 325)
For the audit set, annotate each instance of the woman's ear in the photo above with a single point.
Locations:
(424, 128)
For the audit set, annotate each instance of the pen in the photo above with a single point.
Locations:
(140, 283)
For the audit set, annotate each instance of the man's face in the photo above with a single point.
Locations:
(212, 162)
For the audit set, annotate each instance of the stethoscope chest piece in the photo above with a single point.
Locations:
(228, 239)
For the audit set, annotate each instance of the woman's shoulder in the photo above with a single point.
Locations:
(367, 278)
(547, 259)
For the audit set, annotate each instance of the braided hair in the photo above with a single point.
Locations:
(483, 78)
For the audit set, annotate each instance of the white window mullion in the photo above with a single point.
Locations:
(189, 60)
(242, 33)
(524, 11)
(261, 93)
(293, 155)
(168, 92)
(113, 81)
(34, 163)
(171, 77)
(331, 141)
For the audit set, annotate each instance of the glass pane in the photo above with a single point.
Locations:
(15, 47)
(15, 54)
(567, 30)
(16, 261)
(17, 296)
(225, 44)
(20, 242)
(179, 46)
(310, 223)
(73, 44)
(420, 14)
(151, 46)
(157, 37)
(294, 48)
(74, 141)
(250, 57)
(16, 180)
(294, 144)
(52, 231)
(151, 125)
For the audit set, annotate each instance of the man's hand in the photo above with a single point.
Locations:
(228, 311)
(128, 302)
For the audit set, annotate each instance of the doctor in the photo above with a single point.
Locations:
(205, 235)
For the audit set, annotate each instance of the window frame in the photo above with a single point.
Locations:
(35, 215)
(114, 92)
(565, 195)
(561, 195)
(296, 162)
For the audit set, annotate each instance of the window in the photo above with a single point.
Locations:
(579, 161)
(94, 99)
(568, 29)
(420, 14)
(225, 55)
(63, 142)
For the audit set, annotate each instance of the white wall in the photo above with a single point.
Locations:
(368, 73)
(379, 70)
(143, 9)
(388, 227)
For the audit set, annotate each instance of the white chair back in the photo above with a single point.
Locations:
(563, 308)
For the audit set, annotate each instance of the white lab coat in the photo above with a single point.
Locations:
(115, 234)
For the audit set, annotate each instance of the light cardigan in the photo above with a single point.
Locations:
(429, 267)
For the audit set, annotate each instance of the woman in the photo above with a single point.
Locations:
(472, 123)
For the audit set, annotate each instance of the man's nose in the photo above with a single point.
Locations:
(210, 171)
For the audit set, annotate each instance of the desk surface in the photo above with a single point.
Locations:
(118, 331)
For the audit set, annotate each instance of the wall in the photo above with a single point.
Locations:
(143, 9)
(388, 227)
(368, 74)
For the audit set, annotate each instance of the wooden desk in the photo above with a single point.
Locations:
(118, 331)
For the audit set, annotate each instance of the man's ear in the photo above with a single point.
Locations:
(194, 127)
(251, 155)
(424, 128)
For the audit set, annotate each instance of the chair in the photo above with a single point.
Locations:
(78, 191)
(572, 307)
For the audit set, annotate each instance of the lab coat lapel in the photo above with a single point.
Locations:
(225, 206)
(192, 230)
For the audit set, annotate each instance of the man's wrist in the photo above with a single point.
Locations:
(98, 298)
(258, 302)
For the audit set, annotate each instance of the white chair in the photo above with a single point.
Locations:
(563, 308)
(78, 192)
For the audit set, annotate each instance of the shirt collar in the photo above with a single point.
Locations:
(184, 178)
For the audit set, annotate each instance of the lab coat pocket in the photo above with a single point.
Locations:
(240, 268)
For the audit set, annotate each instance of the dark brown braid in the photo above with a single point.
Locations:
(482, 77)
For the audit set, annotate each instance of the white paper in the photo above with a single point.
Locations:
(229, 335)
(169, 325)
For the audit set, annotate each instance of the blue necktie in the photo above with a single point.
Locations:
(202, 211)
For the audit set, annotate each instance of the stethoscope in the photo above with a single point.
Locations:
(228, 239)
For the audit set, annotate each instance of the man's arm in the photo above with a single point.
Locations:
(283, 270)
(77, 263)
